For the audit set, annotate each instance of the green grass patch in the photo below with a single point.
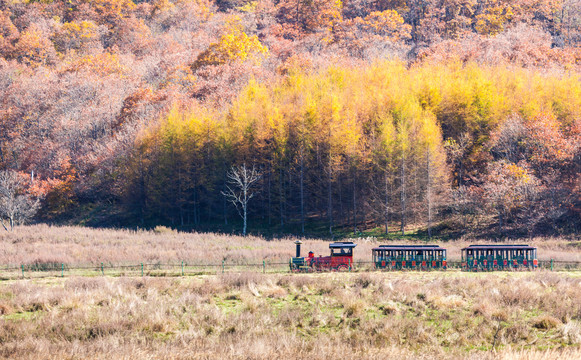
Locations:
(22, 316)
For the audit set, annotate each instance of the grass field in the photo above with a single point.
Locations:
(324, 316)
(250, 315)
(76, 245)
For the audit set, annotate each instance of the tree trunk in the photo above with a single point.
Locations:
(302, 194)
(429, 194)
(244, 207)
(386, 205)
(269, 197)
(341, 210)
(403, 196)
(281, 197)
(244, 227)
(500, 220)
(354, 204)
(330, 201)
(224, 204)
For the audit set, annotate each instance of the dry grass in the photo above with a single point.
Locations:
(255, 316)
(44, 244)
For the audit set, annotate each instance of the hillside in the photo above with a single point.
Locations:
(439, 118)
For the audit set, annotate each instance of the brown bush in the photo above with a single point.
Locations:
(545, 322)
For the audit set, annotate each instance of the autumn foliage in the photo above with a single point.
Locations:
(351, 146)
(453, 115)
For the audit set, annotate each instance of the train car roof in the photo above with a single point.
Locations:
(345, 244)
(499, 247)
(408, 247)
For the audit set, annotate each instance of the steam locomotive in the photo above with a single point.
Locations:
(341, 258)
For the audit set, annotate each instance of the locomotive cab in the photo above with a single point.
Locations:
(342, 249)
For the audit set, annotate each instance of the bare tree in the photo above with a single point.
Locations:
(15, 205)
(241, 180)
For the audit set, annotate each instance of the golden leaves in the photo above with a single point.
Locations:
(75, 35)
(493, 19)
(234, 45)
(34, 48)
(103, 64)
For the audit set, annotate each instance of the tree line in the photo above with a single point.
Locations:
(386, 146)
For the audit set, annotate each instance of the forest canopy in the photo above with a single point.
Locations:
(380, 144)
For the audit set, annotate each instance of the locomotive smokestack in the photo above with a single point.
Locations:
(298, 243)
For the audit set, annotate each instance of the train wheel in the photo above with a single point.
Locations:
(342, 268)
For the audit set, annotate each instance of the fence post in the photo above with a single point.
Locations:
(102, 270)
(263, 266)
(62, 270)
(182, 268)
(222, 266)
(141, 269)
(551, 264)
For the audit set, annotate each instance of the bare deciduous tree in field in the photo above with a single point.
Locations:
(15, 206)
(241, 180)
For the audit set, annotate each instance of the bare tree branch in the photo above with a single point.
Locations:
(242, 180)
(15, 206)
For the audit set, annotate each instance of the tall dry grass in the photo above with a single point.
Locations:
(255, 316)
(79, 245)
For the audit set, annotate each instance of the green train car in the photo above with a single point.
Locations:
(412, 257)
(499, 257)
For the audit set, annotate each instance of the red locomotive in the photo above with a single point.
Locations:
(341, 258)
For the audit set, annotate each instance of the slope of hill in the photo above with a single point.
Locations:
(443, 116)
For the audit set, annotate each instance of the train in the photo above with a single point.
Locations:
(419, 257)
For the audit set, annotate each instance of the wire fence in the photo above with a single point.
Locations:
(184, 268)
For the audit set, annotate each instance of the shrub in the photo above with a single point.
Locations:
(545, 322)
(159, 229)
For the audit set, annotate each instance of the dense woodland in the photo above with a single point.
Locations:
(427, 116)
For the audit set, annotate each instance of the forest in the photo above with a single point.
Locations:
(425, 117)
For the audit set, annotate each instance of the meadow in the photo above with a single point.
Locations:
(334, 315)
(39, 244)
(250, 315)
